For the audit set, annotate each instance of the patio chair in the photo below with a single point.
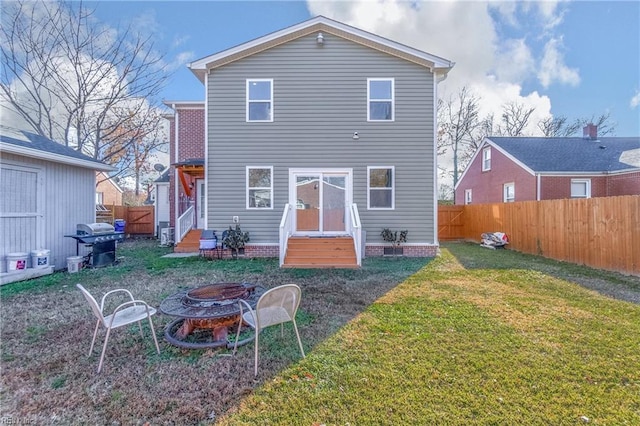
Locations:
(126, 313)
(276, 306)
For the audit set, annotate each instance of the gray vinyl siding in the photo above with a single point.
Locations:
(320, 99)
(62, 197)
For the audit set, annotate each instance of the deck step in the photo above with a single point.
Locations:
(311, 252)
(190, 243)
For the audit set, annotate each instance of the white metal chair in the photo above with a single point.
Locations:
(126, 313)
(276, 306)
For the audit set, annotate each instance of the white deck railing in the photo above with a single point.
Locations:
(356, 231)
(185, 223)
(285, 231)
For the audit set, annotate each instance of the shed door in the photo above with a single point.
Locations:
(19, 210)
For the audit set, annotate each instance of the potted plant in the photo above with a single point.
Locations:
(235, 239)
(395, 239)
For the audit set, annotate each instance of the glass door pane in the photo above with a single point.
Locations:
(333, 203)
(307, 203)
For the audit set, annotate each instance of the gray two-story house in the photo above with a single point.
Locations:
(321, 134)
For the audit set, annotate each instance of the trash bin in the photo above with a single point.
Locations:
(119, 225)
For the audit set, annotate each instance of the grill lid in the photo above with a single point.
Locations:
(94, 228)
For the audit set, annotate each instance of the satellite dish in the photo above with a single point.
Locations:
(158, 167)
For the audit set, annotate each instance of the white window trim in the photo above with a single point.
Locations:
(248, 188)
(587, 188)
(486, 156)
(468, 196)
(393, 99)
(505, 192)
(393, 187)
(247, 101)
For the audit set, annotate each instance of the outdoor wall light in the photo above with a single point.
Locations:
(320, 39)
(355, 136)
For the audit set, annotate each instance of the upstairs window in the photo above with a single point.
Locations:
(486, 159)
(260, 187)
(580, 188)
(509, 192)
(260, 100)
(380, 99)
(381, 188)
(467, 196)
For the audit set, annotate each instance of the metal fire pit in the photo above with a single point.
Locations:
(205, 314)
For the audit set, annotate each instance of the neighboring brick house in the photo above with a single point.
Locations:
(108, 192)
(318, 131)
(507, 169)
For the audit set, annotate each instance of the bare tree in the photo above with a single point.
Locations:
(558, 126)
(458, 123)
(561, 126)
(604, 123)
(74, 80)
(515, 118)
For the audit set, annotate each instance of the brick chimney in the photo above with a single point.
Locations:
(590, 131)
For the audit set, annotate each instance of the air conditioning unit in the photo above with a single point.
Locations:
(167, 236)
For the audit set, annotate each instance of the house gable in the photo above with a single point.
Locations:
(321, 25)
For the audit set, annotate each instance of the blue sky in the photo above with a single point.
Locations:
(572, 58)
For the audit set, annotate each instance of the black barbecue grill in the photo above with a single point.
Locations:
(102, 238)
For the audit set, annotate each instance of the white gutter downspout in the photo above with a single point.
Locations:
(206, 152)
(176, 212)
(538, 181)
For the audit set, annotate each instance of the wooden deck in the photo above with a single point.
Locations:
(190, 243)
(321, 252)
(302, 252)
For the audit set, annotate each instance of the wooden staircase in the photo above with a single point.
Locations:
(190, 243)
(321, 252)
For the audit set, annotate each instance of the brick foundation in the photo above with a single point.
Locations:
(370, 251)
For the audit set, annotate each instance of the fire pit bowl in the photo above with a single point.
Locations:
(205, 314)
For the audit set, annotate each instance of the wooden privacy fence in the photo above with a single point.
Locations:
(450, 223)
(602, 232)
(139, 219)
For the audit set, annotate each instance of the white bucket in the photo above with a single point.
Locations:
(17, 261)
(40, 258)
(74, 264)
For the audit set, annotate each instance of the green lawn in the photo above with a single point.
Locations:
(482, 337)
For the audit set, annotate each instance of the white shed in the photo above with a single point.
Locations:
(46, 189)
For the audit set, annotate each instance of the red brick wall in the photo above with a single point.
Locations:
(190, 133)
(371, 251)
(407, 251)
(487, 187)
(191, 140)
(559, 187)
(627, 184)
(111, 196)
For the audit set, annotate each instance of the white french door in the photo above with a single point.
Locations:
(321, 198)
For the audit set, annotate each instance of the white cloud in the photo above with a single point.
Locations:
(635, 100)
(463, 32)
(514, 61)
(550, 15)
(180, 60)
(553, 68)
(180, 41)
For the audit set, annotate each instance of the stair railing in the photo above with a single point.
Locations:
(286, 224)
(185, 223)
(356, 231)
